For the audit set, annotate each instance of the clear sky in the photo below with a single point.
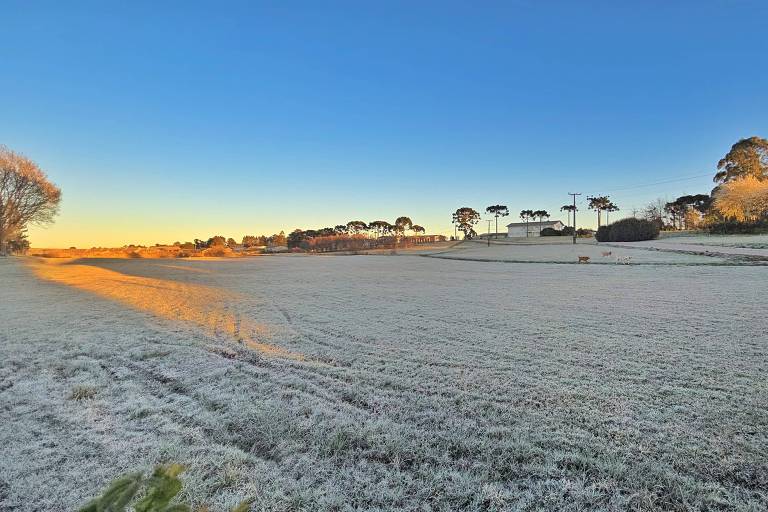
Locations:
(165, 121)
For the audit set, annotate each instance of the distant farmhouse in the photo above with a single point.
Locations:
(517, 229)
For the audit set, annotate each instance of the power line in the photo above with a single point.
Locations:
(659, 182)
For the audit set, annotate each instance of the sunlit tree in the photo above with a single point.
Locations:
(26, 196)
(748, 157)
(743, 200)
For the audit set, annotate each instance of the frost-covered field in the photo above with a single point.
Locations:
(387, 383)
(562, 251)
(747, 241)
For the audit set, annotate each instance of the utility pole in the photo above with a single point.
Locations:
(489, 232)
(574, 194)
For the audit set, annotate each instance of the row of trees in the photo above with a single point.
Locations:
(358, 228)
(529, 215)
(465, 218)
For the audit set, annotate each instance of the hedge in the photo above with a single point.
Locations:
(628, 230)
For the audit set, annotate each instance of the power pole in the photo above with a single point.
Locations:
(574, 194)
(489, 232)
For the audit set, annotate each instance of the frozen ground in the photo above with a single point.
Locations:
(562, 251)
(733, 249)
(387, 383)
(747, 241)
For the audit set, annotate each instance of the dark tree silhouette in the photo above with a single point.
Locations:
(540, 214)
(599, 204)
(380, 227)
(497, 210)
(401, 225)
(356, 226)
(526, 216)
(465, 218)
(568, 208)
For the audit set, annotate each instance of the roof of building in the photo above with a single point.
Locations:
(534, 223)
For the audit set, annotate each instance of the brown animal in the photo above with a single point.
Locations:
(583, 259)
(606, 253)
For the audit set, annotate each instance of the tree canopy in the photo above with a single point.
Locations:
(401, 225)
(748, 157)
(601, 204)
(498, 210)
(744, 200)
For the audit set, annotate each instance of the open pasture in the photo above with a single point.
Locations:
(386, 383)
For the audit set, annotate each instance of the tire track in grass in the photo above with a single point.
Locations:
(212, 309)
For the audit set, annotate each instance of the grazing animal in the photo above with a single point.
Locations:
(624, 260)
(606, 253)
(583, 259)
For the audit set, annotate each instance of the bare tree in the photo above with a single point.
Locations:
(26, 196)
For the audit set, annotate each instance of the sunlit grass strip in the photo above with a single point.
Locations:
(204, 306)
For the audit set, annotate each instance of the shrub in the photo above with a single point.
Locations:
(156, 493)
(217, 251)
(603, 234)
(585, 233)
(550, 232)
(567, 231)
(730, 227)
(628, 230)
(82, 393)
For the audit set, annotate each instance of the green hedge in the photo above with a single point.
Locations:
(628, 230)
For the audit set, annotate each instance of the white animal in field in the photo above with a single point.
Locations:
(624, 260)
(583, 259)
(606, 253)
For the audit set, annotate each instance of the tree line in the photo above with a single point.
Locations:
(738, 202)
(359, 228)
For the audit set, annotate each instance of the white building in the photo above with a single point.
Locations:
(517, 229)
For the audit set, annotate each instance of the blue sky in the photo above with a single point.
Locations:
(166, 121)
